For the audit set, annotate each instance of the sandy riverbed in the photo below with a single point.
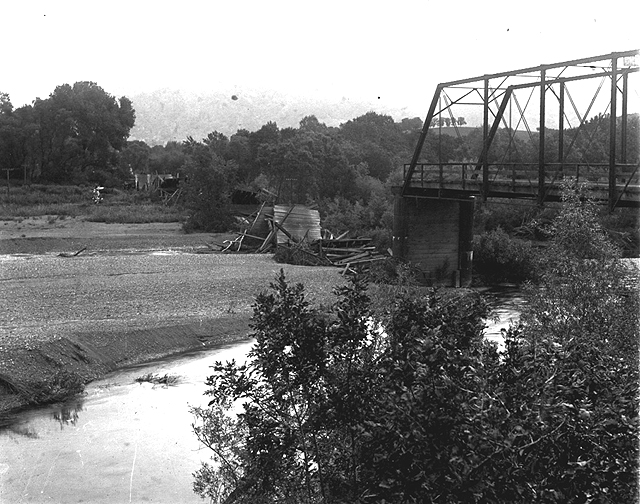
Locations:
(138, 291)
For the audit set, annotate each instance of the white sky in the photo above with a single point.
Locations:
(361, 50)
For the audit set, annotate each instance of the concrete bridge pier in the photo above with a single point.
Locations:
(435, 235)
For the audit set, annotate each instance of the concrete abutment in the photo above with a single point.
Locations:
(435, 236)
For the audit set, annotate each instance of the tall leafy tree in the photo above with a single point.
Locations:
(17, 139)
(81, 129)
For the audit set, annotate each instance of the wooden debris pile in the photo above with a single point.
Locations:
(294, 235)
(348, 253)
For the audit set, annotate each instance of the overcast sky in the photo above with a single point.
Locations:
(392, 52)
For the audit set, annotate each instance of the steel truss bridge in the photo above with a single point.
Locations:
(553, 108)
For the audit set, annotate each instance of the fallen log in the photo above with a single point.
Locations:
(63, 254)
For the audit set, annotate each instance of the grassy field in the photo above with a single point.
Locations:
(60, 202)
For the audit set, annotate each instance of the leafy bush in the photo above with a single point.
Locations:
(506, 215)
(373, 219)
(316, 389)
(569, 380)
(497, 257)
(206, 198)
(337, 408)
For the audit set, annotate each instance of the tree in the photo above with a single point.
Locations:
(167, 159)
(311, 123)
(81, 128)
(134, 158)
(6, 107)
(207, 195)
(218, 143)
(18, 145)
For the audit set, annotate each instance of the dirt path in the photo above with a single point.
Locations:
(138, 291)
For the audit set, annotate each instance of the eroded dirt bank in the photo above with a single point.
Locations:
(125, 299)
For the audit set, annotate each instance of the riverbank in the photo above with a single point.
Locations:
(54, 367)
(136, 293)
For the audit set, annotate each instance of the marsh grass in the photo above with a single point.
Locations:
(60, 202)
(132, 214)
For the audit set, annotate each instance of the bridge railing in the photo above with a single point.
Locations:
(522, 179)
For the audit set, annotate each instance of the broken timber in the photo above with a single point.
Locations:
(295, 233)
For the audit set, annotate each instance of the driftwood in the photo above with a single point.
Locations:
(298, 244)
(64, 254)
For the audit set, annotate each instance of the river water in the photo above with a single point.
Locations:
(124, 441)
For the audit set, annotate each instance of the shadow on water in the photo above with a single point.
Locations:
(23, 430)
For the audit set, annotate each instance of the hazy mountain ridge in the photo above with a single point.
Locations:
(167, 114)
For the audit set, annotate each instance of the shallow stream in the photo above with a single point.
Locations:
(125, 441)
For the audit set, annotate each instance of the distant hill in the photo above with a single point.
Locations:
(166, 114)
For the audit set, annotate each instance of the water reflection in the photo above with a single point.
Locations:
(67, 413)
(506, 303)
(120, 442)
(23, 430)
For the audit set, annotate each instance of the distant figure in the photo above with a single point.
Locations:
(97, 198)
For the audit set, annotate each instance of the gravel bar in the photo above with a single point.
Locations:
(47, 297)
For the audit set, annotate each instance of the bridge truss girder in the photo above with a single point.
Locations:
(545, 78)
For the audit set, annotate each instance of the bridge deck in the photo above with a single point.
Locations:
(521, 180)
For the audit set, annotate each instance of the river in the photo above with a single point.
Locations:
(125, 441)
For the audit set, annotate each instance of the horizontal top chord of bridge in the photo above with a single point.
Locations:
(520, 180)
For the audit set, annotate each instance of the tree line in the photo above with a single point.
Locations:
(74, 136)
(80, 135)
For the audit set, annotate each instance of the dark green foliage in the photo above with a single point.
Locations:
(586, 292)
(623, 227)
(206, 196)
(336, 410)
(497, 257)
(73, 136)
(318, 387)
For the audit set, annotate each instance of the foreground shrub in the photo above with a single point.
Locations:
(497, 257)
(570, 377)
(327, 399)
(336, 408)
